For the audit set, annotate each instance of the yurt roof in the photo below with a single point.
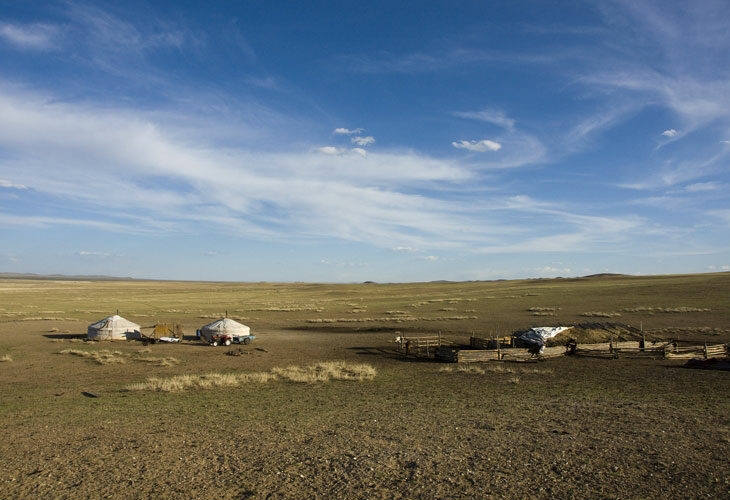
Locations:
(225, 325)
(114, 321)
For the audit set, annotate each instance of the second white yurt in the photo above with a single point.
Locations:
(113, 328)
(224, 326)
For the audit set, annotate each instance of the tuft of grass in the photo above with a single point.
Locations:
(103, 357)
(6, 359)
(670, 310)
(600, 314)
(106, 357)
(514, 380)
(543, 309)
(325, 371)
(478, 369)
(289, 309)
(500, 368)
(319, 372)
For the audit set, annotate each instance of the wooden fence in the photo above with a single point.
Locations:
(421, 345)
(674, 351)
(491, 350)
(456, 355)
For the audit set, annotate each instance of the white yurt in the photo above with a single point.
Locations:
(113, 328)
(224, 326)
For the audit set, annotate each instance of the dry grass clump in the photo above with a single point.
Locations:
(469, 369)
(319, 372)
(6, 359)
(43, 318)
(323, 372)
(395, 318)
(289, 309)
(542, 371)
(449, 318)
(157, 361)
(499, 368)
(356, 310)
(453, 300)
(600, 314)
(675, 330)
(107, 357)
(514, 380)
(543, 311)
(670, 310)
(103, 357)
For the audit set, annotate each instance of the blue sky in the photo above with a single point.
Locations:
(350, 141)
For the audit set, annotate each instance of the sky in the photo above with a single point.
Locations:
(350, 141)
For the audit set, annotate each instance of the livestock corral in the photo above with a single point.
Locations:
(418, 390)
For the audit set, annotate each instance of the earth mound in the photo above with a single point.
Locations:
(595, 333)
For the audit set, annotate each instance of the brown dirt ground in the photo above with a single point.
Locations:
(563, 428)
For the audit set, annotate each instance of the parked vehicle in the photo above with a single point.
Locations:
(223, 339)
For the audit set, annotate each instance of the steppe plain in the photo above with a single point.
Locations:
(561, 428)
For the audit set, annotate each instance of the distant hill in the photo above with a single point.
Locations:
(71, 277)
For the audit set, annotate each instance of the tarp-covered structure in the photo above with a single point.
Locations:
(113, 328)
(224, 326)
(539, 335)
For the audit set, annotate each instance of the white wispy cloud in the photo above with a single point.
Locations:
(404, 249)
(346, 131)
(363, 141)
(723, 215)
(702, 186)
(478, 146)
(11, 185)
(440, 60)
(494, 116)
(331, 150)
(43, 221)
(76, 152)
(36, 36)
(670, 133)
(359, 151)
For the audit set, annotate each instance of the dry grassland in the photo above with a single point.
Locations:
(322, 406)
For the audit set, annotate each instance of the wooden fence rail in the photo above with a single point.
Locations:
(489, 350)
(421, 345)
